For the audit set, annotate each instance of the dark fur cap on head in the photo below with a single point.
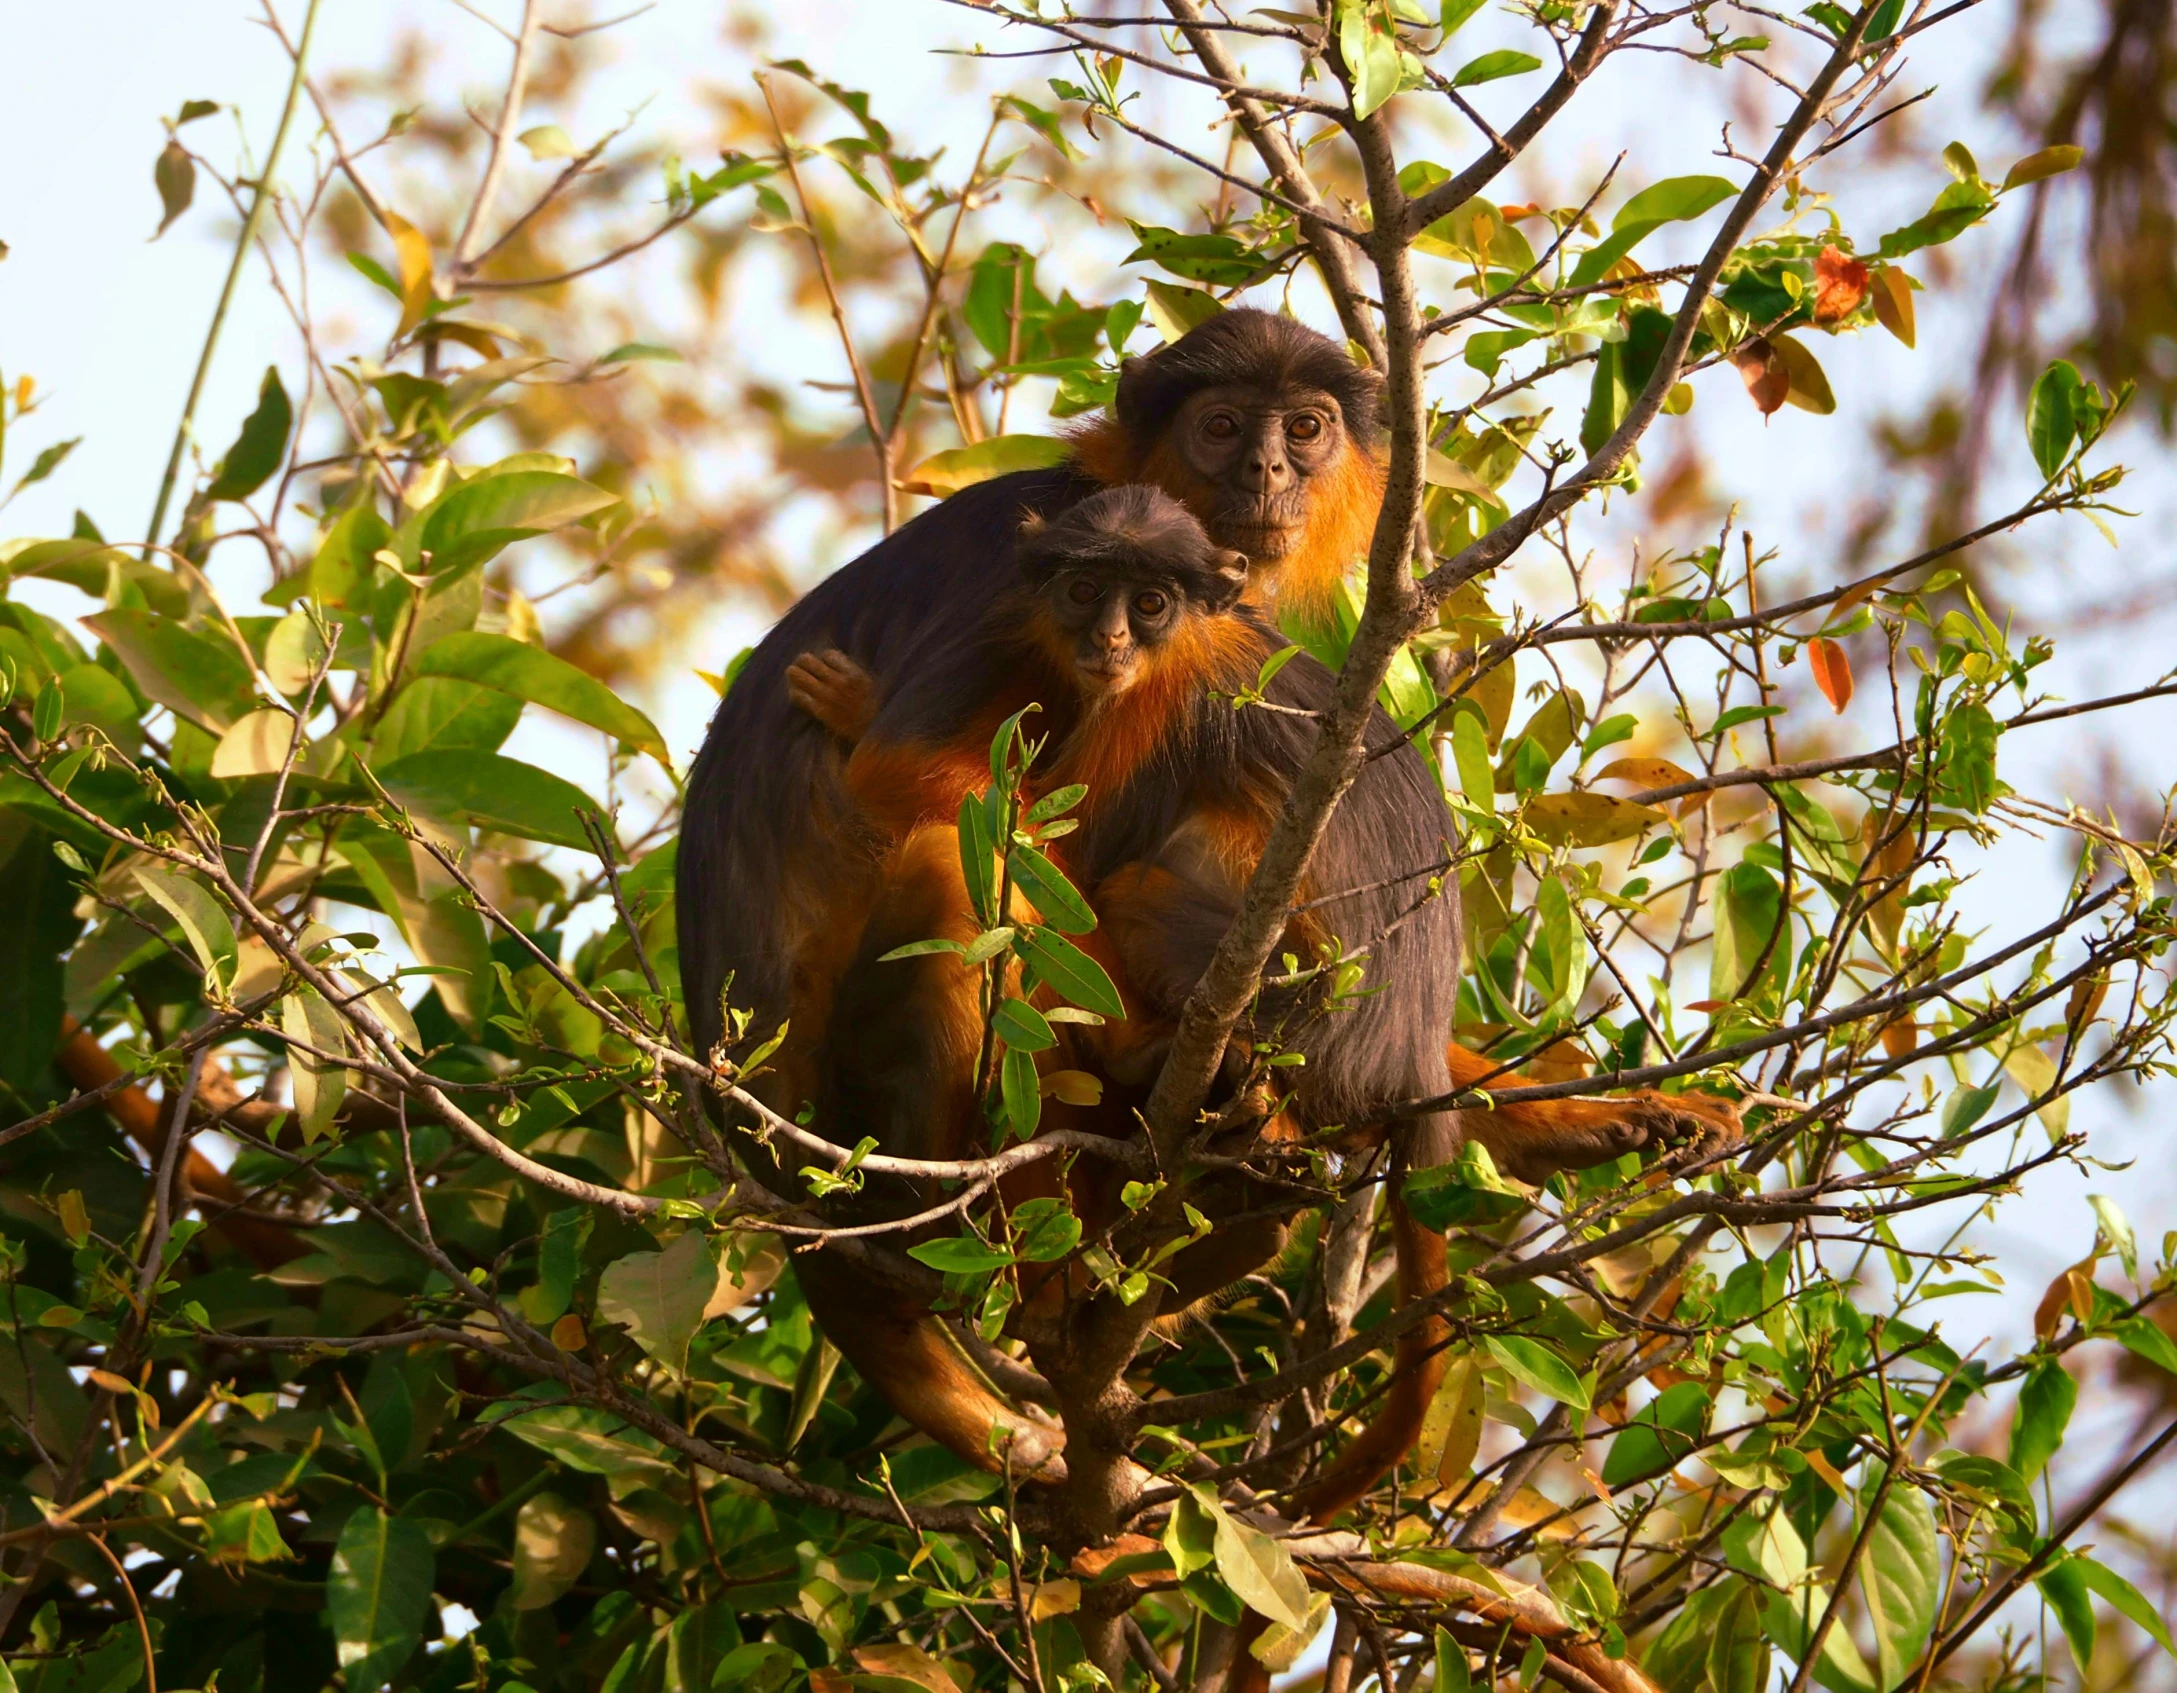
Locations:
(1247, 345)
(1141, 530)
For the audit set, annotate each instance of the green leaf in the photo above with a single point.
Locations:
(1749, 909)
(2049, 161)
(1044, 1230)
(1055, 898)
(87, 563)
(491, 792)
(1470, 752)
(1077, 978)
(548, 141)
(1373, 60)
(1540, 1368)
(553, 1541)
(978, 851)
(594, 1442)
(1966, 773)
(2052, 416)
(628, 351)
(1900, 1577)
(319, 1084)
(1738, 1656)
(1968, 1106)
(1190, 1535)
(1662, 1433)
(203, 920)
(1000, 455)
(258, 449)
(2125, 1599)
(174, 175)
(194, 675)
(1673, 200)
(2143, 1338)
(2044, 1411)
(1175, 310)
(1022, 1027)
(438, 711)
(478, 519)
(659, 1297)
(1021, 1089)
(1261, 1572)
(1218, 260)
(1455, 13)
(45, 464)
(531, 673)
(376, 1594)
(961, 1255)
(1946, 222)
(1490, 66)
(2064, 1587)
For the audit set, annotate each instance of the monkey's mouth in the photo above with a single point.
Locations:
(1105, 673)
(1265, 536)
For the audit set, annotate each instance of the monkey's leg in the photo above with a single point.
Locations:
(899, 1063)
(1532, 1140)
(910, 1358)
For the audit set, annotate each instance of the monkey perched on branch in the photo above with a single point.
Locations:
(1130, 632)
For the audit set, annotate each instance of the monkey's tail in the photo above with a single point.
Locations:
(1417, 1372)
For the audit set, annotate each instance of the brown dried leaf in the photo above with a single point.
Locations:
(1840, 284)
(1760, 368)
(2073, 1291)
(1588, 820)
(1832, 672)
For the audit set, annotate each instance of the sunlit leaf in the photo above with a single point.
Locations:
(376, 1594)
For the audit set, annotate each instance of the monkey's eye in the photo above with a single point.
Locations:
(1150, 603)
(1306, 427)
(1082, 591)
(1220, 426)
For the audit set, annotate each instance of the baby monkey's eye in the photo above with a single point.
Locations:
(1082, 591)
(1150, 603)
(1306, 427)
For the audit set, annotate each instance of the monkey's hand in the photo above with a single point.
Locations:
(835, 691)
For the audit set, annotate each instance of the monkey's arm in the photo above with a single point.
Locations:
(1532, 1140)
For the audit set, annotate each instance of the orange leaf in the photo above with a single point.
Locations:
(2073, 1291)
(568, 1334)
(413, 250)
(1901, 1038)
(1893, 303)
(1763, 372)
(1840, 284)
(1832, 672)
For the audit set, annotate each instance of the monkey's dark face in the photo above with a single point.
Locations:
(1113, 622)
(1262, 451)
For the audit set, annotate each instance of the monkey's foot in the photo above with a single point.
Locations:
(1690, 1127)
(834, 690)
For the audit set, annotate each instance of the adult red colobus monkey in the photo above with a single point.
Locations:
(1266, 432)
(1128, 630)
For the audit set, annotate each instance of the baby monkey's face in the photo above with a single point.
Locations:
(1114, 621)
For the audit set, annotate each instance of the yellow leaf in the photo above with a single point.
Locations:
(962, 467)
(75, 1220)
(1648, 772)
(1809, 389)
(912, 1664)
(256, 746)
(1451, 1431)
(2035, 1073)
(1893, 303)
(412, 249)
(1588, 820)
(568, 1334)
(1054, 1599)
(1073, 1087)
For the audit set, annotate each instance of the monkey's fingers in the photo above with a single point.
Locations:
(834, 690)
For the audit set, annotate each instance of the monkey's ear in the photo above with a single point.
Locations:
(1227, 578)
(1032, 523)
